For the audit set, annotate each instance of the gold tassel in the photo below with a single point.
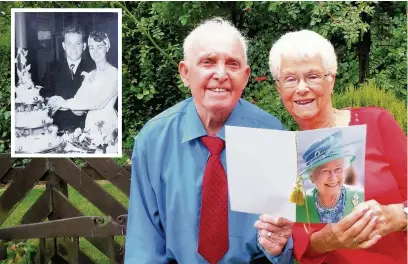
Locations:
(297, 196)
(298, 192)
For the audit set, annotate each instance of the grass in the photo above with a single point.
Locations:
(81, 203)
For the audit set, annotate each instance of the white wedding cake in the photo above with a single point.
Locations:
(33, 125)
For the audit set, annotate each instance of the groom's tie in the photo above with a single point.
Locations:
(71, 67)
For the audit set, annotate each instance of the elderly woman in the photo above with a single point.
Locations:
(330, 199)
(98, 91)
(304, 66)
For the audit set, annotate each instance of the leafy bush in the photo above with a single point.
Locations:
(5, 104)
(369, 94)
(153, 34)
(20, 253)
(269, 100)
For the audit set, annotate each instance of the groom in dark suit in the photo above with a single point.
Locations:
(63, 78)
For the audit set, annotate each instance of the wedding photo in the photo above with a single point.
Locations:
(66, 83)
(331, 164)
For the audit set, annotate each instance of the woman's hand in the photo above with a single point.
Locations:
(391, 218)
(56, 102)
(273, 233)
(352, 232)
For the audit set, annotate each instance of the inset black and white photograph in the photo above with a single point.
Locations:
(66, 83)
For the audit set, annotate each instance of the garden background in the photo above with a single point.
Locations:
(370, 39)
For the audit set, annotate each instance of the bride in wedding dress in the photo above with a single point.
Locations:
(98, 92)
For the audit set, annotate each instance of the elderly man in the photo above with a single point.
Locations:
(178, 208)
(63, 78)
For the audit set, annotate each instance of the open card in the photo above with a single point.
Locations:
(263, 167)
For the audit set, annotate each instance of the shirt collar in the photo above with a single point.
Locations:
(76, 63)
(194, 128)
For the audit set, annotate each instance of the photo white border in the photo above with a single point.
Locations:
(63, 10)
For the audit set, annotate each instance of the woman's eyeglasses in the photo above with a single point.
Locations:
(291, 81)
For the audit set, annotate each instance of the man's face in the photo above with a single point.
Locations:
(73, 46)
(216, 72)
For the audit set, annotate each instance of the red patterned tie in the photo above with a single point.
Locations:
(213, 230)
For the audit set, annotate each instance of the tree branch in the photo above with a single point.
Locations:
(145, 32)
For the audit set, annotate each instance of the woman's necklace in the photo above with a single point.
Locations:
(331, 206)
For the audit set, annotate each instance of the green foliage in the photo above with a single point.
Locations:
(268, 99)
(5, 76)
(388, 56)
(369, 94)
(153, 35)
(20, 253)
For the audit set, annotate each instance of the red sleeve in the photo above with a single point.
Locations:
(301, 241)
(395, 147)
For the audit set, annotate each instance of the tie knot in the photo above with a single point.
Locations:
(72, 66)
(214, 145)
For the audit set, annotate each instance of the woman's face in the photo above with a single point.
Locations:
(97, 50)
(329, 177)
(304, 101)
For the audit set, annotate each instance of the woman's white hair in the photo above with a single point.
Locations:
(207, 28)
(299, 45)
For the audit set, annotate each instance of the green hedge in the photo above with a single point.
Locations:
(370, 94)
(153, 33)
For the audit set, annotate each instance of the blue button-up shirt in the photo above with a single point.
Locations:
(168, 164)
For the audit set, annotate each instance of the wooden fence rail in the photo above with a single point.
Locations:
(54, 219)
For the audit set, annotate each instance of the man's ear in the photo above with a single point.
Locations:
(84, 47)
(63, 46)
(184, 74)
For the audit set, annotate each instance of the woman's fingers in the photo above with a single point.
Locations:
(367, 230)
(374, 233)
(349, 220)
(369, 243)
(359, 225)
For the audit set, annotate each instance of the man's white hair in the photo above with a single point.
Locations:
(301, 45)
(207, 28)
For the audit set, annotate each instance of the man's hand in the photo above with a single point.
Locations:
(273, 233)
(56, 102)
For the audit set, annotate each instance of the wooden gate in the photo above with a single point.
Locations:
(54, 219)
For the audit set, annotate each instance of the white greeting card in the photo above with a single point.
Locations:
(263, 166)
